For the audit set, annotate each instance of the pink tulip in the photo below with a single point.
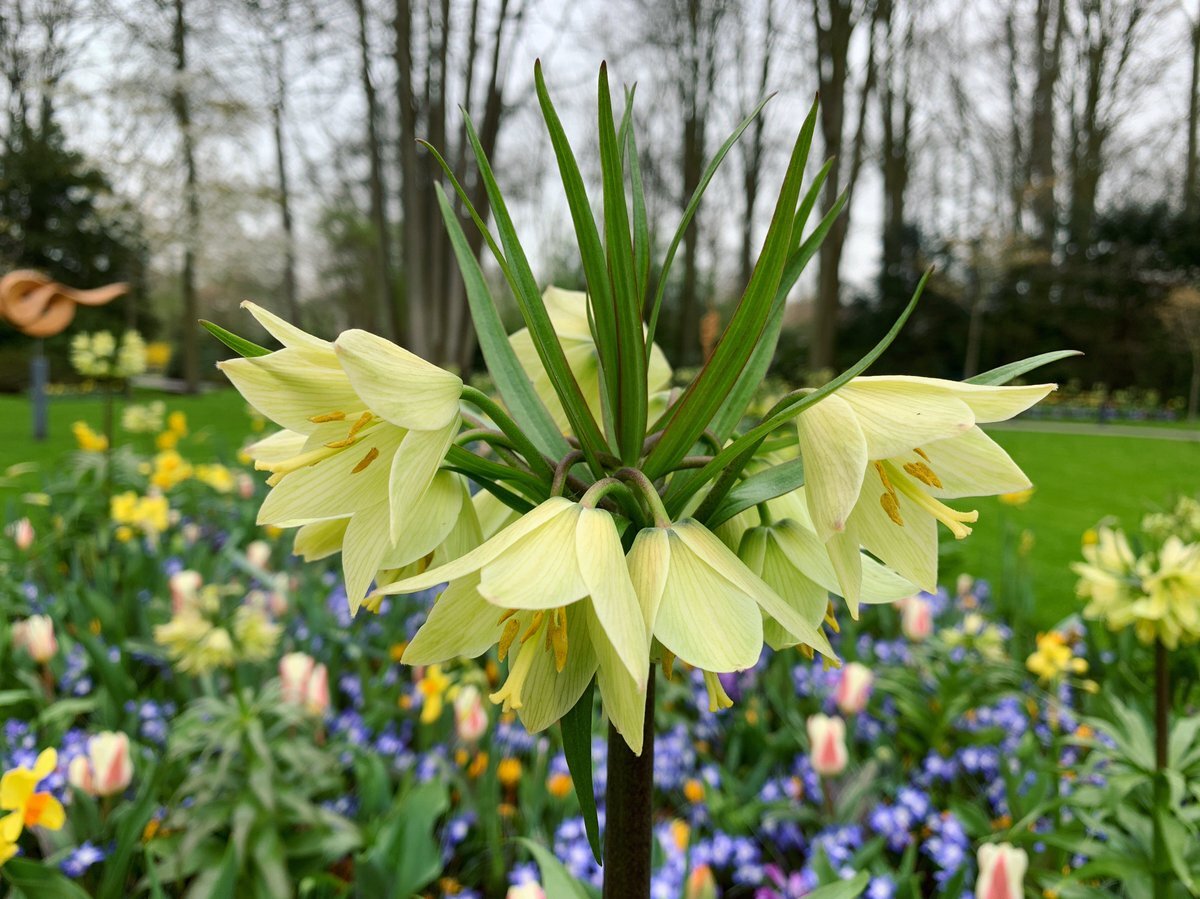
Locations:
(106, 769)
(185, 588)
(470, 716)
(35, 635)
(916, 617)
(22, 533)
(258, 554)
(304, 682)
(827, 753)
(527, 890)
(245, 485)
(1001, 872)
(854, 688)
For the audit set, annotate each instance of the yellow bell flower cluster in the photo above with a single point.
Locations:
(1055, 658)
(176, 430)
(144, 418)
(99, 355)
(1183, 521)
(205, 634)
(169, 468)
(149, 514)
(1156, 593)
(89, 441)
(25, 805)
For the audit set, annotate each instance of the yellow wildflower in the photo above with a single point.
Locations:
(25, 806)
(433, 687)
(508, 772)
(1017, 498)
(1054, 658)
(89, 441)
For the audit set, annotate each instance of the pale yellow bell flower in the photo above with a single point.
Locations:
(367, 426)
(553, 590)
(568, 314)
(881, 453)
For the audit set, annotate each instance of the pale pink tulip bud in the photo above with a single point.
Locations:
(916, 618)
(35, 635)
(107, 769)
(701, 884)
(827, 737)
(1001, 872)
(22, 533)
(245, 485)
(191, 533)
(295, 669)
(258, 554)
(185, 588)
(316, 698)
(854, 689)
(964, 585)
(470, 716)
(527, 890)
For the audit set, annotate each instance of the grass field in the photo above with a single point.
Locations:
(1079, 479)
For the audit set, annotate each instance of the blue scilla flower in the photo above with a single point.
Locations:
(880, 888)
(81, 858)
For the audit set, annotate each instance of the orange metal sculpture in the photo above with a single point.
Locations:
(39, 307)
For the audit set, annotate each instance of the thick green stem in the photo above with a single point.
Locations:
(653, 500)
(628, 838)
(1162, 708)
(497, 414)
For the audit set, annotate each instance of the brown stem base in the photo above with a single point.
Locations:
(628, 809)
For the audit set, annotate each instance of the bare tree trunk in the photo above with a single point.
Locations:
(414, 255)
(183, 118)
(1051, 26)
(384, 308)
(896, 110)
(1017, 165)
(291, 301)
(1191, 190)
(833, 48)
(754, 153)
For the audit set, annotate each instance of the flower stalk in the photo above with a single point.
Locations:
(628, 840)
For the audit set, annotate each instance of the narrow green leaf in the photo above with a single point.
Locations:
(591, 251)
(556, 879)
(502, 363)
(735, 405)
(34, 880)
(699, 404)
(761, 486)
(529, 299)
(846, 889)
(689, 213)
(473, 465)
(239, 345)
(641, 223)
(630, 395)
(1006, 373)
(577, 747)
(677, 497)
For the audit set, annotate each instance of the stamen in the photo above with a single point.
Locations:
(287, 466)
(951, 518)
(717, 697)
(831, 620)
(371, 456)
(923, 473)
(538, 618)
(328, 416)
(887, 484)
(920, 452)
(891, 505)
(506, 615)
(668, 663)
(506, 639)
(363, 421)
(510, 693)
(806, 651)
(558, 633)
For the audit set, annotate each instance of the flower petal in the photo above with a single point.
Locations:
(972, 465)
(482, 555)
(623, 698)
(548, 694)
(289, 389)
(396, 384)
(911, 549)
(702, 618)
(431, 519)
(363, 551)
(461, 624)
(896, 414)
(834, 451)
(288, 334)
(614, 602)
(540, 571)
(649, 564)
(53, 816)
(989, 403)
(413, 468)
(320, 539)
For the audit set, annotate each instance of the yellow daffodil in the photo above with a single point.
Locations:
(368, 424)
(88, 440)
(1054, 658)
(433, 688)
(564, 621)
(881, 453)
(568, 313)
(27, 807)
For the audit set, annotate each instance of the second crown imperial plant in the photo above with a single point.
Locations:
(591, 521)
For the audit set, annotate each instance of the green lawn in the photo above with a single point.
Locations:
(1079, 479)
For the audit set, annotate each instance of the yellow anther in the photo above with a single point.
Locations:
(887, 484)
(920, 452)
(558, 633)
(806, 651)
(951, 518)
(510, 693)
(538, 618)
(923, 473)
(371, 456)
(831, 620)
(506, 639)
(717, 697)
(506, 615)
(668, 663)
(891, 505)
(328, 416)
(363, 421)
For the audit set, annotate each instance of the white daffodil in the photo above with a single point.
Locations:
(881, 453)
(706, 606)
(368, 425)
(568, 313)
(566, 608)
